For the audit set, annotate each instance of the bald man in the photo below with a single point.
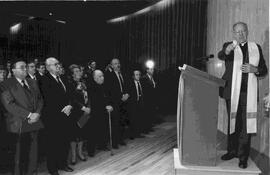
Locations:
(56, 111)
(244, 64)
(100, 106)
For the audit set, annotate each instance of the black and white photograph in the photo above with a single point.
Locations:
(134, 87)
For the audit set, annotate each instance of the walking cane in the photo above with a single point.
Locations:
(110, 128)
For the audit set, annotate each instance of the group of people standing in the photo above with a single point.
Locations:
(55, 111)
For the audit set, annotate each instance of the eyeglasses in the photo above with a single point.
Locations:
(21, 67)
(55, 64)
(239, 32)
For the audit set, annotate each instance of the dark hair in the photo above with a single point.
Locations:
(2, 67)
(14, 61)
(31, 61)
(90, 62)
(40, 64)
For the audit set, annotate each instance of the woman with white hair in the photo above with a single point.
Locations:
(80, 112)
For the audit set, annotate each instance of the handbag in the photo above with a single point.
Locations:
(83, 120)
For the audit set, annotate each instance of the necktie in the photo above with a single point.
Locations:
(154, 84)
(61, 83)
(120, 81)
(139, 90)
(25, 86)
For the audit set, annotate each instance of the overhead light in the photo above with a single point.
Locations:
(15, 28)
(50, 14)
(122, 18)
(147, 9)
(150, 64)
(61, 21)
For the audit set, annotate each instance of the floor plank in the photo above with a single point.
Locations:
(150, 155)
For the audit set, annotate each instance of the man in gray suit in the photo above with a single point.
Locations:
(22, 101)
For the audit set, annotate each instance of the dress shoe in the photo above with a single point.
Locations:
(73, 162)
(105, 148)
(82, 158)
(131, 138)
(91, 154)
(66, 168)
(242, 164)
(115, 146)
(228, 156)
(122, 143)
(140, 136)
(54, 173)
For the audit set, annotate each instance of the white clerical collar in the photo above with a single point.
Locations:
(242, 44)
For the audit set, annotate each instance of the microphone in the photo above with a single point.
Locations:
(206, 57)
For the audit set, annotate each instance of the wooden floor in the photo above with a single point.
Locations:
(151, 155)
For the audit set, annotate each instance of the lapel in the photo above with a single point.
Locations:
(117, 80)
(20, 94)
(56, 85)
(32, 90)
(150, 81)
(30, 83)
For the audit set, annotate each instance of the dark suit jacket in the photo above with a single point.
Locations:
(78, 100)
(132, 91)
(112, 87)
(149, 92)
(227, 76)
(18, 104)
(55, 99)
(99, 100)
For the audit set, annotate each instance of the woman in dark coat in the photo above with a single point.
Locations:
(82, 107)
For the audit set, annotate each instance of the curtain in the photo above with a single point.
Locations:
(34, 38)
(171, 33)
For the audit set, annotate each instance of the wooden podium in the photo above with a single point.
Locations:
(197, 114)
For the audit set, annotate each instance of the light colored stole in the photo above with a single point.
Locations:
(252, 88)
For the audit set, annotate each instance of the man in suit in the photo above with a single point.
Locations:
(150, 96)
(9, 73)
(3, 73)
(116, 90)
(56, 111)
(40, 70)
(22, 101)
(31, 70)
(136, 105)
(91, 67)
(100, 107)
(244, 63)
